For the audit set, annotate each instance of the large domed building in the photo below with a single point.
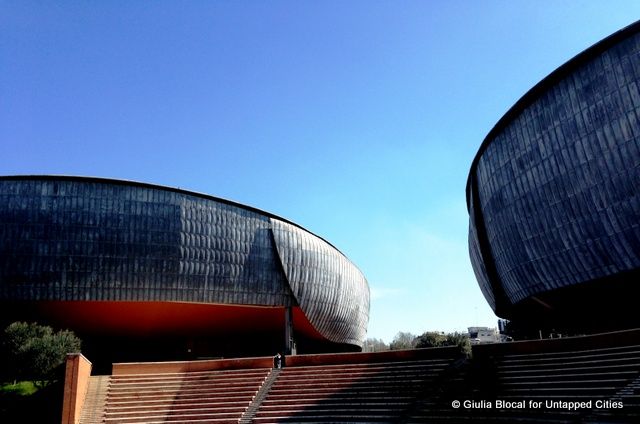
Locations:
(554, 196)
(171, 273)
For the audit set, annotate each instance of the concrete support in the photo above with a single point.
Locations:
(289, 342)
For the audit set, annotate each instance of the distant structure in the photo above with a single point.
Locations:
(480, 335)
(175, 274)
(553, 196)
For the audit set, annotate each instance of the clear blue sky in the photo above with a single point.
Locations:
(357, 120)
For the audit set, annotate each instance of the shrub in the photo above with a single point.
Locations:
(435, 339)
(34, 352)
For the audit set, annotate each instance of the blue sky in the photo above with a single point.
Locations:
(358, 120)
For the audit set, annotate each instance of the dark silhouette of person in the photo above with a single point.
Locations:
(278, 361)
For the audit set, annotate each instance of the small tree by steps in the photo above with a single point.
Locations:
(34, 352)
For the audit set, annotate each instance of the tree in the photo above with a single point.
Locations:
(34, 352)
(431, 339)
(403, 340)
(374, 345)
(435, 339)
(461, 340)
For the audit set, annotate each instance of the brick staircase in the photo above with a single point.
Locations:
(332, 388)
(392, 387)
(603, 374)
(378, 392)
(573, 375)
(186, 397)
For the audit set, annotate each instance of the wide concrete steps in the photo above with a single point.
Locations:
(593, 373)
(570, 363)
(631, 350)
(193, 397)
(578, 375)
(363, 393)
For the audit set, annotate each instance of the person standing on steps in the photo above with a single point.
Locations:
(278, 361)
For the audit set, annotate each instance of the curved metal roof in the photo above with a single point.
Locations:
(115, 181)
(553, 78)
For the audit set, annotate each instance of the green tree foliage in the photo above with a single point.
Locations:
(403, 340)
(461, 340)
(34, 352)
(435, 339)
(431, 339)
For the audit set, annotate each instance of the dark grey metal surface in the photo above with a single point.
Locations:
(91, 239)
(331, 291)
(558, 183)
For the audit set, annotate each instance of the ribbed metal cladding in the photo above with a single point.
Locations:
(477, 259)
(227, 256)
(559, 180)
(331, 291)
(74, 238)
